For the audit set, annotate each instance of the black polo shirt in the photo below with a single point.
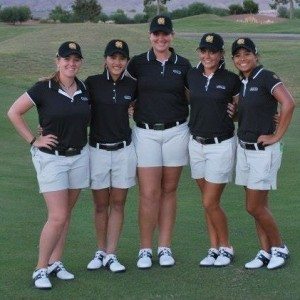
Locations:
(209, 97)
(109, 107)
(160, 87)
(257, 106)
(62, 115)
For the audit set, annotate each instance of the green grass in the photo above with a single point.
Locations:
(211, 23)
(27, 53)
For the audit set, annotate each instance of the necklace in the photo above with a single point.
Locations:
(67, 87)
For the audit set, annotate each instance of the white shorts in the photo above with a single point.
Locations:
(257, 169)
(156, 148)
(113, 168)
(212, 162)
(55, 173)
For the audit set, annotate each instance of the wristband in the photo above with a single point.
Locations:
(33, 140)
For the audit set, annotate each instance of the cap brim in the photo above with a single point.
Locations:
(72, 53)
(209, 47)
(244, 47)
(119, 52)
(163, 29)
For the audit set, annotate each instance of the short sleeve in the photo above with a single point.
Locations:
(236, 86)
(36, 92)
(271, 81)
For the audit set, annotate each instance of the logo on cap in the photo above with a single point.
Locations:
(119, 44)
(161, 21)
(209, 39)
(72, 46)
(240, 41)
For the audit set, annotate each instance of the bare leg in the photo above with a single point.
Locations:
(167, 205)
(58, 250)
(116, 216)
(149, 198)
(58, 212)
(214, 243)
(101, 204)
(267, 229)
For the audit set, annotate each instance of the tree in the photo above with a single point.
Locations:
(59, 14)
(250, 7)
(14, 14)
(276, 3)
(86, 10)
(159, 5)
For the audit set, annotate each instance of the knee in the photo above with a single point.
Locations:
(118, 205)
(210, 206)
(58, 221)
(254, 211)
(100, 207)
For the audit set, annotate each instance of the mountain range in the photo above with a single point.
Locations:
(41, 8)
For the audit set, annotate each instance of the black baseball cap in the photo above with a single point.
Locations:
(161, 23)
(245, 43)
(117, 46)
(211, 41)
(69, 48)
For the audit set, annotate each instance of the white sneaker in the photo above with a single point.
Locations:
(97, 261)
(279, 255)
(57, 269)
(261, 259)
(210, 259)
(165, 257)
(225, 257)
(41, 280)
(111, 262)
(145, 258)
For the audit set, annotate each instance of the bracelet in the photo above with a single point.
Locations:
(33, 140)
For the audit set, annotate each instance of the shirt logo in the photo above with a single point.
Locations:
(84, 98)
(221, 87)
(127, 97)
(253, 89)
(177, 72)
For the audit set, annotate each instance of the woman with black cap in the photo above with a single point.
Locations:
(160, 137)
(259, 151)
(112, 155)
(59, 154)
(212, 144)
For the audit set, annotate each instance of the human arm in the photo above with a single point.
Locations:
(15, 115)
(232, 108)
(287, 106)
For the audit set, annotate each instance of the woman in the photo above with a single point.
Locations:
(112, 155)
(160, 137)
(259, 152)
(60, 154)
(212, 144)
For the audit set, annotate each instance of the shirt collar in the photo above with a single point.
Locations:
(53, 84)
(255, 72)
(173, 58)
(108, 76)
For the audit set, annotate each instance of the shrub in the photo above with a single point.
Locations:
(120, 17)
(235, 9)
(14, 14)
(198, 8)
(283, 12)
(140, 18)
(222, 12)
(180, 13)
(250, 7)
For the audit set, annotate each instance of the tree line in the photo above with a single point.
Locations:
(91, 10)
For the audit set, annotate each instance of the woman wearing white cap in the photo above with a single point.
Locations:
(259, 151)
(60, 154)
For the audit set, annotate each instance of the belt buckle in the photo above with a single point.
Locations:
(71, 151)
(243, 144)
(200, 140)
(159, 126)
